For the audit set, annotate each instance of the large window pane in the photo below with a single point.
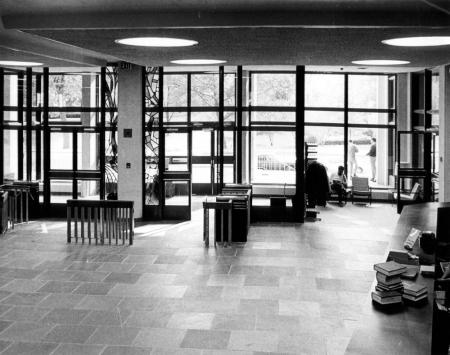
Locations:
(201, 173)
(86, 119)
(61, 150)
(273, 157)
(368, 91)
(175, 90)
(379, 167)
(176, 154)
(204, 116)
(324, 90)
(205, 90)
(324, 117)
(370, 118)
(229, 89)
(10, 162)
(10, 90)
(74, 90)
(88, 189)
(87, 155)
(175, 117)
(177, 193)
(330, 145)
(261, 116)
(273, 89)
(60, 191)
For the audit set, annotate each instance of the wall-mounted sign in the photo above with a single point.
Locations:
(126, 65)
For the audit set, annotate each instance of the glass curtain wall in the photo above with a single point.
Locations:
(59, 128)
(271, 104)
(346, 114)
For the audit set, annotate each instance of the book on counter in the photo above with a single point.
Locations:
(390, 268)
(427, 270)
(414, 292)
(387, 297)
(383, 288)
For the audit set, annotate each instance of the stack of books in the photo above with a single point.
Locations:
(389, 287)
(414, 292)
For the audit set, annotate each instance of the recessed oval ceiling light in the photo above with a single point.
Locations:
(427, 41)
(16, 63)
(198, 61)
(156, 42)
(380, 62)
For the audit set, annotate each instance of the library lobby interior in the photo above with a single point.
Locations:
(225, 177)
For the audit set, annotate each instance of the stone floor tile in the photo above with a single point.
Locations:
(93, 288)
(113, 335)
(4, 344)
(22, 285)
(126, 350)
(25, 331)
(65, 316)
(59, 286)
(115, 267)
(151, 319)
(25, 313)
(70, 334)
(299, 308)
(234, 322)
(191, 321)
(84, 266)
(24, 299)
(250, 306)
(89, 276)
(158, 337)
(206, 339)
(61, 300)
(253, 341)
(30, 348)
(94, 302)
(110, 317)
(122, 277)
(78, 349)
(55, 275)
(142, 303)
(21, 273)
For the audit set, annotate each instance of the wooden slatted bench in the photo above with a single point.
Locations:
(101, 221)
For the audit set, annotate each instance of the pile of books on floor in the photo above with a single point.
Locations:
(389, 288)
(414, 292)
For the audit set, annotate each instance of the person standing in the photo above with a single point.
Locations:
(352, 150)
(373, 156)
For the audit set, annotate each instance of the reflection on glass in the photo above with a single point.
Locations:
(87, 155)
(88, 189)
(368, 91)
(201, 173)
(261, 116)
(378, 168)
(175, 117)
(12, 116)
(324, 117)
(205, 117)
(61, 150)
(86, 119)
(229, 89)
(176, 152)
(369, 118)
(324, 90)
(176, 193)
(228, 140)
(273, 157)
(228, 173)
(435, 99)
(10, 162)
(330, 145)
(60, 191)
(175, 90)
(205, 90)
(273, 89)
(201, 143)
(74, 90)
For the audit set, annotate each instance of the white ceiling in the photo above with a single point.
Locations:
(326, 34)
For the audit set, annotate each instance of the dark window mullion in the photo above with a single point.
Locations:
(28, 115)
(2, 78)
(74, 164)
(20, 142)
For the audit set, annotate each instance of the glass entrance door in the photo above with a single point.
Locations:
(177, 174)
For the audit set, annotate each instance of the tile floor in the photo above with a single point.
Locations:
(292, 289)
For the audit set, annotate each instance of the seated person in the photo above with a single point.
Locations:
(339, 183)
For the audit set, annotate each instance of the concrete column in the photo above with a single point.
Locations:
(444, 133)
(130, 150)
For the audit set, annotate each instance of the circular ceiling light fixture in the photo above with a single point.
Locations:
(426, 41)
(198, 61)
(17, 63)
(156, 42)
(380, 62)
